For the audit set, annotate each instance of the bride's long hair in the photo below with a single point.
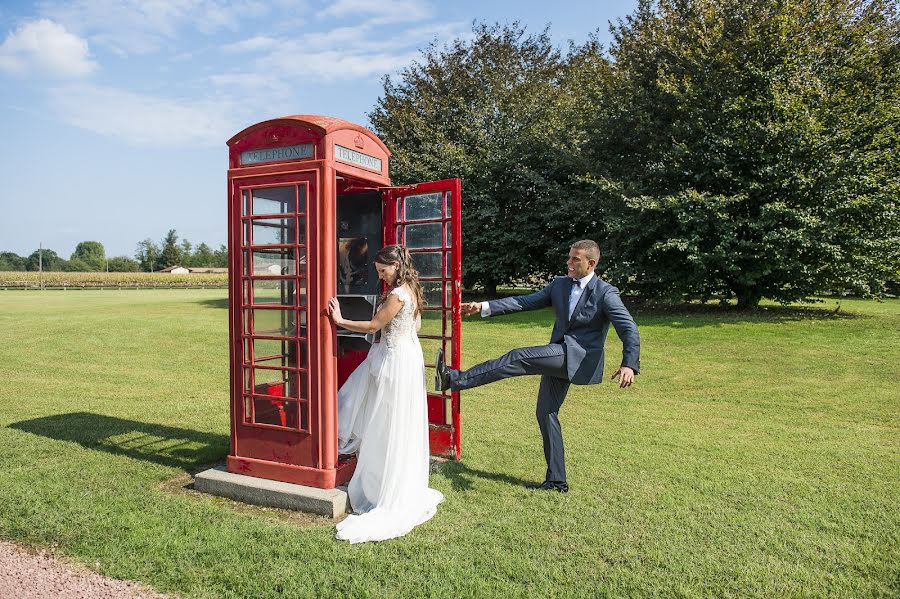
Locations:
(406, 273)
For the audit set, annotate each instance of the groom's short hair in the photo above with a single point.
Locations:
(589, 247)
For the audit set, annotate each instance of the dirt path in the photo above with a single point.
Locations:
(26, 576)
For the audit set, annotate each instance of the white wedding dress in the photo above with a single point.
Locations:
(382, 416)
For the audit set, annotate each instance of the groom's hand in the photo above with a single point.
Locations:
(625, 376)
(470, 308)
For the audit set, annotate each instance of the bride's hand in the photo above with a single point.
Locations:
(334, 310)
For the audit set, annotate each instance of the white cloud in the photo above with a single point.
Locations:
(253, 44)
(214, 15)
(267, 71)
(332, 65)
(148, 120)
(255, 82)
(383, 11)
(45, 47)
(419, 36)
(343, 53)
(144, 26)
(340, 37)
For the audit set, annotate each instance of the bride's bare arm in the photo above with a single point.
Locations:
(386, 314)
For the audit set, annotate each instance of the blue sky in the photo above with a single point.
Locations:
(114, 113)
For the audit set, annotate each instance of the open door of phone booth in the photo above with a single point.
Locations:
(425, 217)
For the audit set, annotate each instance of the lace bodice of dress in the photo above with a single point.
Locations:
(403, 326)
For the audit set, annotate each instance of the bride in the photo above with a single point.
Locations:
(382, 412)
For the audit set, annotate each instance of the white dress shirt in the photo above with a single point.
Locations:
(577, 290)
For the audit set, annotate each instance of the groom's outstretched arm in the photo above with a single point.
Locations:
(520, 303)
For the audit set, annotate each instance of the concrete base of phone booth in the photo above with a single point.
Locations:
(272, 493)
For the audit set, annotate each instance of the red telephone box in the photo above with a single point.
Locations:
(310, 204)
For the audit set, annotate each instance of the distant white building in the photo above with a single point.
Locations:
(176, 270)
(181, 270)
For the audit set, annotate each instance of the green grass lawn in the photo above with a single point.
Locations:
(757, 455)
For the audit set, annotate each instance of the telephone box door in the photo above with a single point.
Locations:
(272, 359)
(426, 219)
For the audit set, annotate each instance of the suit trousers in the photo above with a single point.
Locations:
(549, 361)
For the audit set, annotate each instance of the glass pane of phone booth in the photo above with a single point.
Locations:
(274, 284)
(424, 227)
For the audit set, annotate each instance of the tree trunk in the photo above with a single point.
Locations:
(748, 299)
(490, 288)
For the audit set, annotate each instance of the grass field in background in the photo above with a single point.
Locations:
(757, 455)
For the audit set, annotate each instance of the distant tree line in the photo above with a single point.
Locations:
(716, 149)
(149, 256)
(153, 256)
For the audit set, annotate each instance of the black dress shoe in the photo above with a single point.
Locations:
(441, 372)
(550, 485)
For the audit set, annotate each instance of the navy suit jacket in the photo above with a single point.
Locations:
(584, 335)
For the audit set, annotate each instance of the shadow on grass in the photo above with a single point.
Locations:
(160, 444)
(219, 302)
(461, 476)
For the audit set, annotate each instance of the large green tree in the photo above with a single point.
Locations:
(89, 256)
(750, 147)
(171, 252)
(187, 253)
(220, 257)
(123, 264)
(147, 255)
(203, 256)
(44, 259)
(10, 261)
(494, 110)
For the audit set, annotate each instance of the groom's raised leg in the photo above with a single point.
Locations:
(551, 395)
(541, 359)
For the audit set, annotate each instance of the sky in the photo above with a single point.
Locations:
(114, 114)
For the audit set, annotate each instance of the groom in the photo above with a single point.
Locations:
(584, 306)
